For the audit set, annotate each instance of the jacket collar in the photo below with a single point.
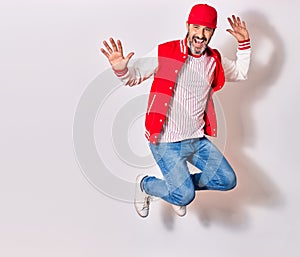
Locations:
(183, 46)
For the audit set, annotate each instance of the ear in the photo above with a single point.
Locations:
(187, 27)
(213, 32)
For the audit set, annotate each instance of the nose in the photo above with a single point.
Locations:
(200, 33)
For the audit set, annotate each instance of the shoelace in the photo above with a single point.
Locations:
(146, 203)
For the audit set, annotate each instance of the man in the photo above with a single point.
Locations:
(180, 108)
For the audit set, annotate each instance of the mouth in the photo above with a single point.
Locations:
(198, 44)
(198, 40)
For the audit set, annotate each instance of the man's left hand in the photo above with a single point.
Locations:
(239, 30)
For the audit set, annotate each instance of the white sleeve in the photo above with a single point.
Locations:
(236, 70)
(140, 69)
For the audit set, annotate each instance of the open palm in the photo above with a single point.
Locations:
(114, 54)
(239, 29)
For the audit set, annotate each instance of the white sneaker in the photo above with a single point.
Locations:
(141, 199)
(179, 210)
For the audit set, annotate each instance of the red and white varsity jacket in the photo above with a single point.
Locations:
(171, 57)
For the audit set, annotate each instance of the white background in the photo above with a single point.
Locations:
(48, 56)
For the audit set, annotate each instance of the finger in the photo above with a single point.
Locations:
(230, 21)
(112, 41)
(128, 57)
(238, 20)
(244, 24)
(120, 46)
(230, 31)
(234, 19)
(107, 47)
(104, 52)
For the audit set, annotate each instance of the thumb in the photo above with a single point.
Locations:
(128, 57)
(233, 33)
(230, 31)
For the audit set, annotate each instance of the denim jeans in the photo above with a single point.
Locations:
(178, 185)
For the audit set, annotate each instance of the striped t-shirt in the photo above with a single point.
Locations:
(186, 110)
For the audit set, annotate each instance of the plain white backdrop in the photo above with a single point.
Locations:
(50, 206)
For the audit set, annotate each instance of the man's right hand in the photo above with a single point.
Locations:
(115, 55)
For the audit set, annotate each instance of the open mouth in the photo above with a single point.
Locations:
(198, 40)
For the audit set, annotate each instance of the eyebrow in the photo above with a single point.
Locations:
(198, 25)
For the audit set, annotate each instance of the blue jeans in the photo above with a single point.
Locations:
(178, 186)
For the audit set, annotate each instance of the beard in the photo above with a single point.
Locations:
(197, 45)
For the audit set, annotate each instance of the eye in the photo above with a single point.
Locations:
(208, 29)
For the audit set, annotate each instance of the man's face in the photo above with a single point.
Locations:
(198, 37)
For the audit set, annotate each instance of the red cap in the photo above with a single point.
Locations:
(203, 14)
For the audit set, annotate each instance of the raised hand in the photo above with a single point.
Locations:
(114, 54)
(239, 30)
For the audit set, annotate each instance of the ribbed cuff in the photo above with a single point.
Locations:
(244, 44)
(120, 73)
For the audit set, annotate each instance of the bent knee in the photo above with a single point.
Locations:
(231, 182)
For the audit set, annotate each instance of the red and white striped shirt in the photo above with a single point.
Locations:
(185, 116)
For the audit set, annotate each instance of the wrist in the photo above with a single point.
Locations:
(244, 44)
(120, 73)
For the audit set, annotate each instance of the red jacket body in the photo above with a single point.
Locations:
(171, 57)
